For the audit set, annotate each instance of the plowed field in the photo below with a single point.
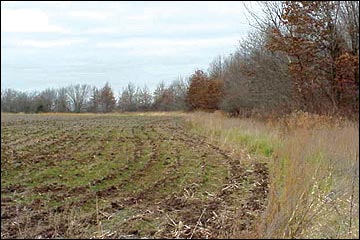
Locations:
(122, 176)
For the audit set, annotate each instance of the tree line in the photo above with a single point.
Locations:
(86, 98)
(301, 55)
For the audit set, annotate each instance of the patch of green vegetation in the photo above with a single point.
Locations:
(55, 204)
(46, 175)
(245, 139)
(214, 176)
(150, 173)
(262, 146)
(7, 177)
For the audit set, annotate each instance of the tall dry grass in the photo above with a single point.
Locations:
(314, 170)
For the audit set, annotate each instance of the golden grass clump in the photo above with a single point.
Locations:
(305, 120)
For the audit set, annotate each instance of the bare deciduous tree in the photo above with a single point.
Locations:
(62, 100)
(78, 95)
(127, 98)
(143, 99)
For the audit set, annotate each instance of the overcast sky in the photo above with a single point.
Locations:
(53, 44)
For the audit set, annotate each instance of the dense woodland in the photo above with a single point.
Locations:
(301, 55)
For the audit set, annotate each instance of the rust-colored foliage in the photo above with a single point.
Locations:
(347, 80)
(215, 93)
(107, 99)
(324, 74)
(196, 95)
(204, 93)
